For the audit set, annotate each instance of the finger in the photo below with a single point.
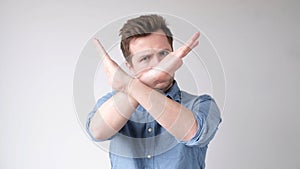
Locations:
(190, 44)
(193, 39)
(100, 49)
(194, 44)
(110, 66)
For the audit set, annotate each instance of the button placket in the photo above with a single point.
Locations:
(150, 142)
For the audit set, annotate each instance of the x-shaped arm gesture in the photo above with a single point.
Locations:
(115, 112)
(152, 77)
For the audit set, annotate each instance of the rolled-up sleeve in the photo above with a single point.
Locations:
(91, 114)
(208, 117)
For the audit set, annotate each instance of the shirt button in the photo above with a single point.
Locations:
(150, 130)
(148, 156)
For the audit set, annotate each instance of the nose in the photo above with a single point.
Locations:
(155, 60)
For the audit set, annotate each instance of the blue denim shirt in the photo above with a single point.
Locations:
(143, 143)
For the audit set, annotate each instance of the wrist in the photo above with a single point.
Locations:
(128, 86)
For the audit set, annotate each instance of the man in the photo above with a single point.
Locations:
(152, 123)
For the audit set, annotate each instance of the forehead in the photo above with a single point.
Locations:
(156, 40)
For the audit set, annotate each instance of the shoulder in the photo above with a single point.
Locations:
(187, 98)
(203, 104)
(104, 98)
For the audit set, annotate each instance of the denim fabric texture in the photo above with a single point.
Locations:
(144, 144)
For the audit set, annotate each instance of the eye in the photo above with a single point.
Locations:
(163, 53)
(145, 58)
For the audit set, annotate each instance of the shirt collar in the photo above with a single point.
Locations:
(174, 92)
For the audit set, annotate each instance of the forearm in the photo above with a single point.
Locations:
(174, 117)
(112, 116)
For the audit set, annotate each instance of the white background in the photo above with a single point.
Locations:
(258, 42)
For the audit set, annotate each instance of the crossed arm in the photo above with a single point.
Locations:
(115, 112)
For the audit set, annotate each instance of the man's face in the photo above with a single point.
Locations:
(148, 51)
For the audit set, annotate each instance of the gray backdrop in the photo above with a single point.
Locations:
(41, 41)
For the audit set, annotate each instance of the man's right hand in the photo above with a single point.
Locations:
(117, 77)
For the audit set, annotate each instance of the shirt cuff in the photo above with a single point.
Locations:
(208, 123)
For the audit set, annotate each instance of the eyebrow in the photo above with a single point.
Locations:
(139, 55)
(148, 52)
(167, 49)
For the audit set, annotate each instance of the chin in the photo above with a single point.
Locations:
(164, 86)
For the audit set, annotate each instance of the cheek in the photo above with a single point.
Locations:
(137, 68)
(136, 65)
(134, 68)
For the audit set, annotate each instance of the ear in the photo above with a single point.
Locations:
(129, 67)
